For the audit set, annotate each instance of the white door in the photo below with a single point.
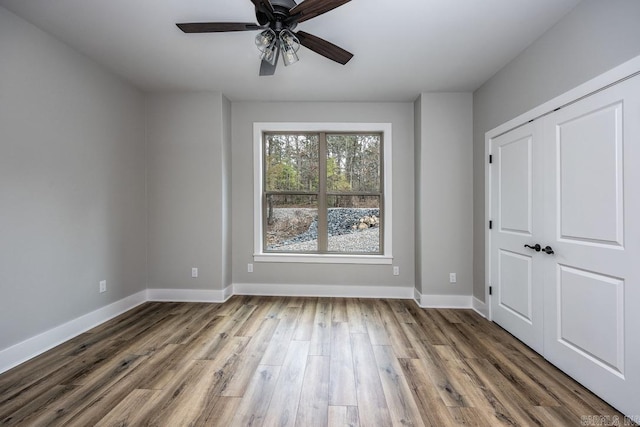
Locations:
(592, 223)
(516, 277)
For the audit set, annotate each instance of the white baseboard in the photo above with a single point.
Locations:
(417, 296)
(227, 292)
(25, 350)
(480, 307)
(338, 291)
(190, 295)
(442, 301)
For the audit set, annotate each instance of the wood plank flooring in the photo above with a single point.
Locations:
(294, 362)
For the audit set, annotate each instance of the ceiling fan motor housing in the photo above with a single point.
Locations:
(286, 4)
(281, 10)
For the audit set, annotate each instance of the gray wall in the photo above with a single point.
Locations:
(72, 184)
(188, 145)
(244, 114)
(595, 37)
(444, 201)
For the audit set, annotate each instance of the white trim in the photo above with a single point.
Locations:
(190, 295)
(324, 258)
(336, 291)
(442, 301)
(34, 346)
(227, 293)
(487, 217)
(417, 296)
(385, 128)
(480, 307)
(610, 77)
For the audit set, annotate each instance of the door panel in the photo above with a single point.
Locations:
(592, 217)
(590, 193)
(594, 334)
(516, 304)
(514, 282)
(514, 183)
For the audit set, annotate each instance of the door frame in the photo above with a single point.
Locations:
(615, 75)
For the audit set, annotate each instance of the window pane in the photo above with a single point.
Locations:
(353, 163)
(292, 223)
(291, 162)
(354, 224)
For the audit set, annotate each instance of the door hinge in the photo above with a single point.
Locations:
(490, 290)
(490, 158)
(490, 225)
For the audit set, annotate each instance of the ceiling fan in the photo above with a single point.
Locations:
(276, 21)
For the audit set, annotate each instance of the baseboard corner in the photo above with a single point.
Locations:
(480, 307)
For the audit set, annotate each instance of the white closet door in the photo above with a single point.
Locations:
(592, 223)
(516, 303)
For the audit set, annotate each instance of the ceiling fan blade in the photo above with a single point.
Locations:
(217, 27)
(311, 8)
(266, 69)
(324, 48)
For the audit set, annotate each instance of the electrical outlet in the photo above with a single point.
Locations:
(103, 286)
(396, 270)
(194, 272)
(452, 278)
(249, 268)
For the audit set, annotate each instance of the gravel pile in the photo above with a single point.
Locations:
(361, 241)
(339, 221)
(342, 236)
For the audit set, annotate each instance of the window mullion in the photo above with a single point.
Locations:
(323, 243)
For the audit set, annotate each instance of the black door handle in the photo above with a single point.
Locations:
(548, 250)
(536, 248)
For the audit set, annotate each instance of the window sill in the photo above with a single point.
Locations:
(324, 259)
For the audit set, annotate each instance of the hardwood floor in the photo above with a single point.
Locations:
(295, 361)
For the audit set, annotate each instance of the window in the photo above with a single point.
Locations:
(322, 192)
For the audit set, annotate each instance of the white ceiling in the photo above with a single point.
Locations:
(401, 47)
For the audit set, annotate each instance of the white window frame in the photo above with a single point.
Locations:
(259, 255)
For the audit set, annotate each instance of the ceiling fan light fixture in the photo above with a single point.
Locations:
(289, 44)
(270, 54)
(265, 39)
